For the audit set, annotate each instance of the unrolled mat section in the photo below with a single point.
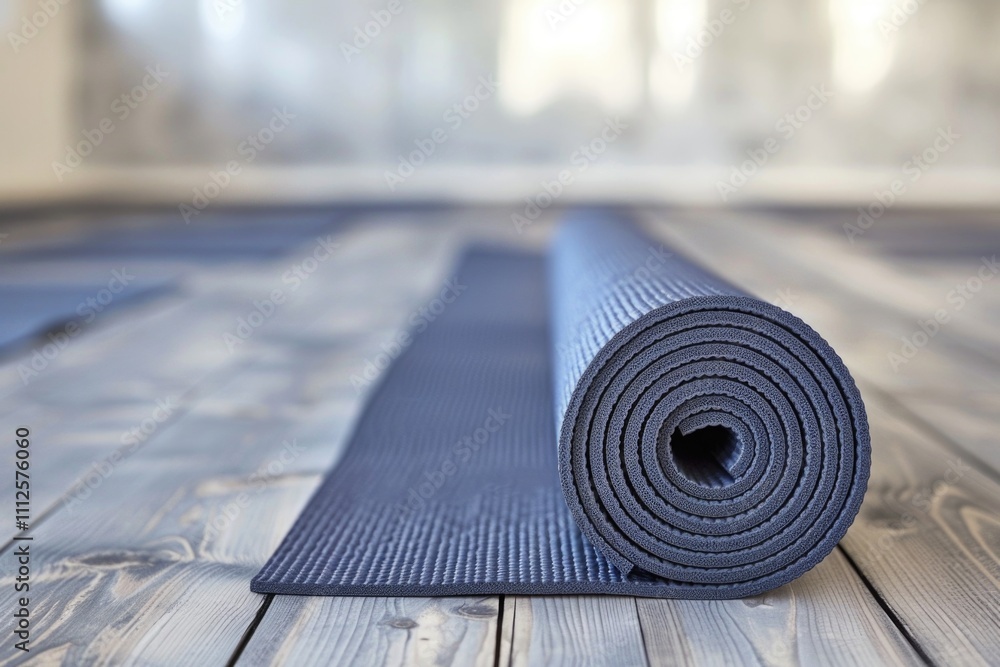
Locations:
(609, 418)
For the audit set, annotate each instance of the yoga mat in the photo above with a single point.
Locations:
(210, 238)
(609, 418)
(46, 313)
(48, 286)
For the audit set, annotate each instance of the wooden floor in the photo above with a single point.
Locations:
(172, 447)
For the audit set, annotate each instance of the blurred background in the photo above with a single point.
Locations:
(706, 102)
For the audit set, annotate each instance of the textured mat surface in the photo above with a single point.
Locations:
(607, 419)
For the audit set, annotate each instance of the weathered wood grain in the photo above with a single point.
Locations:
(175, 355)
(861, 271)
(574, 630)
(938, 276)
(971, 419)
(144, 374)
(133, 563)
(166, 581)
(928, 539)
(375, 631)
(827, 617)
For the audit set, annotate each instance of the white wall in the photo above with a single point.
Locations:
(36, 80)
(40, 80)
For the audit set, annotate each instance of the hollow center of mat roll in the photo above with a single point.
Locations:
(706, 455)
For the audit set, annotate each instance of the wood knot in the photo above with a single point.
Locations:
(476, 611)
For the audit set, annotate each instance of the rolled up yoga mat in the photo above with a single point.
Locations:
(609, 418)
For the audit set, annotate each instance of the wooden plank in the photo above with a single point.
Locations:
(864, 273)
(573, 630)
(375, 631)
(939, 276)
(228, 287)
(826, 617)
(25, 379)
(174, 356)
(926, 538)
(505, 637)
(971, 419)
(147, 584)
(133, 367)
(198, 524)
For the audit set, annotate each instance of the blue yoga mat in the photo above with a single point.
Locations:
(46, 317)
(609, 418)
